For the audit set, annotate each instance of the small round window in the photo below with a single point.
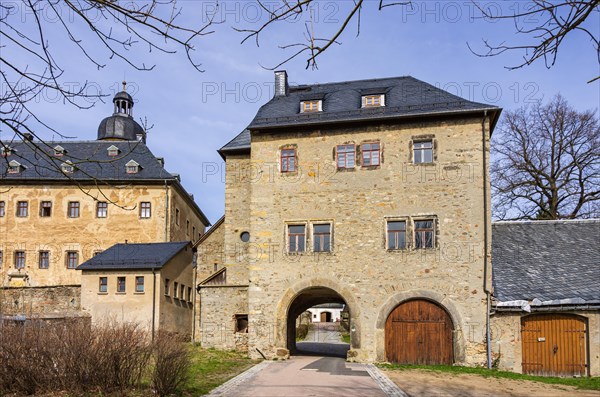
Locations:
(245, 237)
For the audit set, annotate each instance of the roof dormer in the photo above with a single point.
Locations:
(59, 151)
(373, 100)
(6, 151)
(67, 167)
(311, 106)
(132, 167)
(113, 151)
(14, 167)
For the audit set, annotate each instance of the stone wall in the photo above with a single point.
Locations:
(358, 202)
(40, 301)
(218, 306)
(507, 343)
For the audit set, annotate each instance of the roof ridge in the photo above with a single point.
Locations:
(546, 221)
(355, 81)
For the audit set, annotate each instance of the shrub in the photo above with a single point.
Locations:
(171, 363)
(301, 331)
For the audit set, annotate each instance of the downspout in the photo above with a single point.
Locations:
(153, 301)
(194, 267)
(486, 242)
(166, 212)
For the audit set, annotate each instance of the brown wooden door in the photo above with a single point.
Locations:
(554, 345)
(419, 332)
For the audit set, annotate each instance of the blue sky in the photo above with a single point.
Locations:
(194, 114)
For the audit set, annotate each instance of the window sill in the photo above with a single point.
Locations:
(120, 293)
(424, 164)
(370, 167)
(349, 169)
(139, 293)
(102, 293)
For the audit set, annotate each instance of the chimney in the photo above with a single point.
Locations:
(27, 136)
(281, 83)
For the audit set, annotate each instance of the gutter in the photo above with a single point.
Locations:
(485, 246)
(166, 211)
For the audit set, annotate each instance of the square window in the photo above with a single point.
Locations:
(19, 259)
(167, 286)
(101, 209)
(103, 284)
(396, 235)
(345, 156)
(73, 209)
(322, 238)
(145, 209)
(139, 284)
(371, 154)
(46, 209)
(288, 160)
(121, 285)
(22, 209)
(423, 152)
(2, 208)
(424, 233)
(296, 238)
(44, 259)
(72, 259)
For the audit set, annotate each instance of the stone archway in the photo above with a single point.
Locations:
(396, 300)
(305, 294)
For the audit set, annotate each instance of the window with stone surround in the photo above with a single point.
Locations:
(370, 154)
(345, 155)
(44, 259)
(22, 209)
(424, 233)
(72, 259)
(322, 237)
(45, 209)
(73, 209)
(19, 259)
(296, 238)
(288, 160)
(423, 151)
(396, 235)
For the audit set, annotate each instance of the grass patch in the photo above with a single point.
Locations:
(580, 383)
(211, 368)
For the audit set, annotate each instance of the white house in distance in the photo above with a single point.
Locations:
(326, 313)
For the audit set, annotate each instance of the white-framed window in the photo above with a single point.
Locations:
(14, 167)
(370, 101)
(423, 151)
(59, 151)
(132, 167)
(311, 106)
(296, 236)
(346, 155)
(112, 151)
(67, 167)
(321, 237)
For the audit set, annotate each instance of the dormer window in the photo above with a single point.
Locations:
(311, 106)
(371, 101)
(59, 151)
(14, 167)
(67, 167)
(113, 151)
(132, 167)
(6, 151)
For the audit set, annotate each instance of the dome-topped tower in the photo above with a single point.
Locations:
(121, 124)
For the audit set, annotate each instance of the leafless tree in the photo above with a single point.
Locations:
(546, 163)
(32, 31)
(548, 23)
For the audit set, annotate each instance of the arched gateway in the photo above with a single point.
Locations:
(419, 332)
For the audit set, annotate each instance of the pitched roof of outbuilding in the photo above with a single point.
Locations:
(554, 262)
(134, 256)
(342, 102)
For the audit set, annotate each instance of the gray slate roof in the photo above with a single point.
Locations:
(404, 96)
(134, 256)
(240, 143)
(90, 158)
(547, 260)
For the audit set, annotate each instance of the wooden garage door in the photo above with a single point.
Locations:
(419, 332)
(554, 345)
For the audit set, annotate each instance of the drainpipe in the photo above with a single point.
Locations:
(486, 242)
(166, 212)
(194, 268)
(153, 301)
